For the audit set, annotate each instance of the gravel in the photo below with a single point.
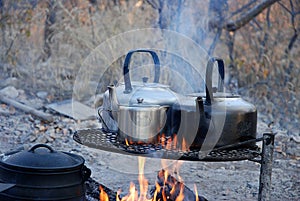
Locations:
(236, 180)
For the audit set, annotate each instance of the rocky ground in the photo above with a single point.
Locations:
(215, 180)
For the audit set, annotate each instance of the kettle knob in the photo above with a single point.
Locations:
(145, 79)
(140, 100)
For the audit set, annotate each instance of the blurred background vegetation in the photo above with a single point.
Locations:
(43, 43)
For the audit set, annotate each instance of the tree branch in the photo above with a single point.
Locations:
(248, 16)
(245, 7)
(296, 31)
(153, 3)
(284, 7)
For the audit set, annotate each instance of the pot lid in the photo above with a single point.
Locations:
(42, 156)
(151, 93)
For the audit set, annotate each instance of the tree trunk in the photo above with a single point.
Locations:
(2, 22)
(264, 41)
(217, 12)
(49, 28)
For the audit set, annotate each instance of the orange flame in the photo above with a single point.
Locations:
(162, 139)
(172, 188)
(157, 189)
(126, 142)
(184, 146)
(142, 181)
(180, 197)
(174, 145)
(177, 187)
(118, 195)
(103, 195)
(196, 192)
(133, 193)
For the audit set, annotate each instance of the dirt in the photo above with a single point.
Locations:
(238, 180)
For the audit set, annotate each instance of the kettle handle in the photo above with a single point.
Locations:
(208, 79)
(128, 87)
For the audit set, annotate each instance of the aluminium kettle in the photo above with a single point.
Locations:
(128, 107)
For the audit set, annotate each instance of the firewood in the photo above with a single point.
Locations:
(26, 108)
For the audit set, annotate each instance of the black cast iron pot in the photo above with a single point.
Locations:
(42, 173)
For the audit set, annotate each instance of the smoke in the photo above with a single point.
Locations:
(189, 19)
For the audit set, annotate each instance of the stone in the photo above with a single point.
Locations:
(42, 94)
(52, 135)
(4, 112)
(10, 92)
(296, 139)
(11, 81)
(32, 138)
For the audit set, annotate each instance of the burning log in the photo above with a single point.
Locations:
(170, 189)
(167, 188)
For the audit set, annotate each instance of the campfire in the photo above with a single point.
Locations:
(167, 187)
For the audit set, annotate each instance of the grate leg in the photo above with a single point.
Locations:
(266, 167)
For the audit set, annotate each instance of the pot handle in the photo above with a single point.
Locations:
(106, 129)
(208, 79)
(100, 110)
(128, 87)
(86, 173)
(32, 149)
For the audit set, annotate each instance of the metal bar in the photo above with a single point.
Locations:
(238, 144)
(266, 167)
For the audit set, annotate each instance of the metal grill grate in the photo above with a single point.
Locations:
(98, 139)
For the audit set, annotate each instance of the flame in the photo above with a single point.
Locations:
(118, 195)
(172, 189)
(177, 168)
(167, 187)
(196, 192)
(142, 181)
(162, 139)
(174, 141)
(184, 146)
(168, 143)
(131, 196)
(126, 142)
(103, 195)
(157, 190)
(180, 197)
